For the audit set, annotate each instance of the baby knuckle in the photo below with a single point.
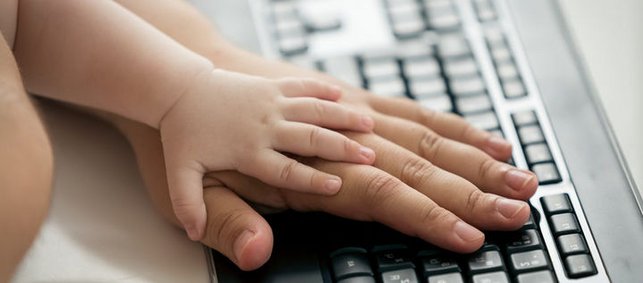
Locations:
(320, 109)
(182, 207)
(313, 136)
(349, 145)
(287, 170)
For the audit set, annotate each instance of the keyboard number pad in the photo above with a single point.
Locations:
(571, 244)
(535, 147)
(350, 262)
(508, 74)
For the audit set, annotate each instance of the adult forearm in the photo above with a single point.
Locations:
(98, 54)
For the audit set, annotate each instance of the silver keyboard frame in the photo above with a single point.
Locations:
(474, 32)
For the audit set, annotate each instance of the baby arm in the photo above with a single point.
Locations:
(97, 54)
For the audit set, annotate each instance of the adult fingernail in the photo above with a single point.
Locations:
(241, 242)
(192, 232)
(367, 122)
(333, 185)
(518, 179)
(510, 208)
(466, 232)
(366, 153)
(498, 144)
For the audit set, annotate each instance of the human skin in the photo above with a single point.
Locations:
(26, 160)
(417, 185)
(99, 55)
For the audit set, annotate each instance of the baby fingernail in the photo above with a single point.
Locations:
(518, 179)
(366, 153)
(510, 208)
(241, 242)
(467, 232)
(367, 122)
(192, 232)
(333, 185)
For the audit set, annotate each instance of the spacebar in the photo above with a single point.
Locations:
(291, 265)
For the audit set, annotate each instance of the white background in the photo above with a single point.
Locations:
(610, 37)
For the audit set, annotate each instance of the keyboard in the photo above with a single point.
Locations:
(460, 56)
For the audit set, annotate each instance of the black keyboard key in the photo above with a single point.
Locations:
(523, 240)
(464, 67)
(320, 21)
(495, 36)
(408, 28)
(514, 88)
(572, 244)
(392, 87)
(441, 102)
(531, 223)
(507, 71)
(414, 49)
(427, 87)
(554, 204)
(449, 21)
(426, 67)
(293, 44)
(524, 118)
(467, 86)
(452, 46)
(359, 279)
(400, 276)
(538, 153)
(350, 264)
(485, 10)
(530, 134)
(578, 266)
(494, 277)
(501, 53)
(485, 261)
(564, 224)
(382, 68)
(446, 278)
(547, 173)
(344, 68)
(527, 261)
(544, 276)
(393, 259)
(438, 264)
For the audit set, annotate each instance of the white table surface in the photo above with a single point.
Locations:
(103, 228)
(610, 37)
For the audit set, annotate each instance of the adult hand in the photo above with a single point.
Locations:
(407, 189)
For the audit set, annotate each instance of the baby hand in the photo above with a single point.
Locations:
(230, 121)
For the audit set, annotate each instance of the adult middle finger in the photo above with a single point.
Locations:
(483, 210)
(461, 159)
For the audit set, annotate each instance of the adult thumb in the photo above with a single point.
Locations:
(236, 230)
